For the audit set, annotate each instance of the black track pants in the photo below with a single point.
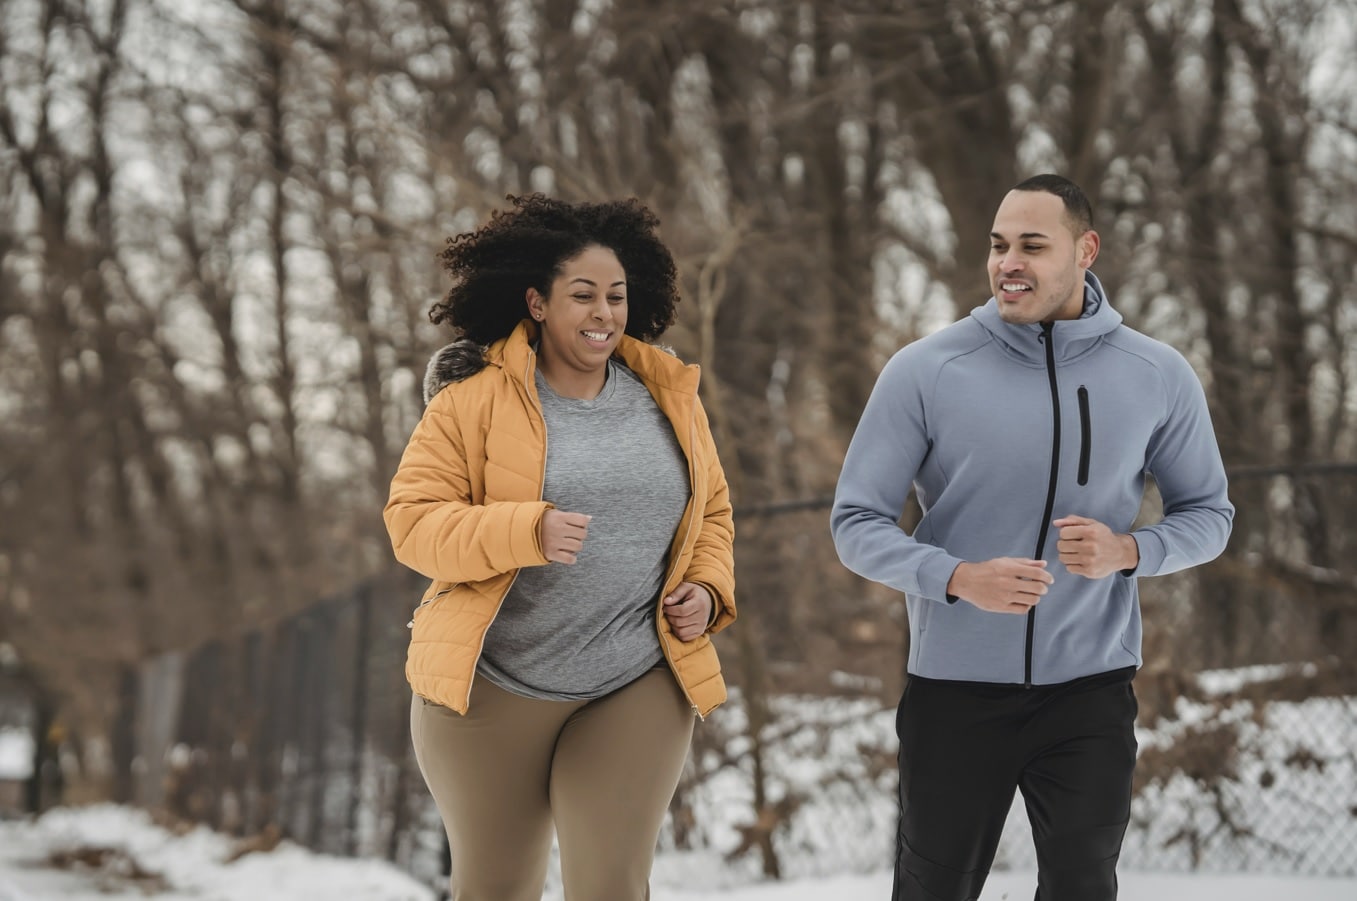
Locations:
(966, 747)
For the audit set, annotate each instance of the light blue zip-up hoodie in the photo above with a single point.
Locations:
(993, 423)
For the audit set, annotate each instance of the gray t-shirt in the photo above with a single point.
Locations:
(582, 631)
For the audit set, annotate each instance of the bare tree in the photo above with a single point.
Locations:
(217, 250)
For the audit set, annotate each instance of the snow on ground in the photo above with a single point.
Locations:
(1020, 886)
(16, 754)
(192, 867)
(1286, 802)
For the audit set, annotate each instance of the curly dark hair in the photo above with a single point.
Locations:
(527, 246)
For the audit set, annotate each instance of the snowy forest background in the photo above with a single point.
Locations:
(218, 229)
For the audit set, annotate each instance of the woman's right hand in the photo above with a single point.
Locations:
(563, 535)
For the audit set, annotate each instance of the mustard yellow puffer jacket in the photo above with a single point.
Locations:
(466, 505)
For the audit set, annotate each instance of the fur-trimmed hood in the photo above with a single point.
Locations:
(453, 363)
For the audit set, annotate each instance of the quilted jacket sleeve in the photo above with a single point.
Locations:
(435, 527)
(713, 563)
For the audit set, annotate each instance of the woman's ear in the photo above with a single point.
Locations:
(536, 304)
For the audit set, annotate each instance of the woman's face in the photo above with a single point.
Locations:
(584, 316)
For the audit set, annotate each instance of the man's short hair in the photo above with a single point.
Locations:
(1077, 207)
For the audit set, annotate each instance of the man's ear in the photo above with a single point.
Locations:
(1088, 244)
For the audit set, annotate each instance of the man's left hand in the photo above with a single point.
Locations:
(688, 609)
(1092, 550)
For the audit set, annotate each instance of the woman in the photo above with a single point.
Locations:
(564, 494)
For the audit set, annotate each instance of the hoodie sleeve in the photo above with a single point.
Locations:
(435, 528)
(888, 447)
(1185, 461)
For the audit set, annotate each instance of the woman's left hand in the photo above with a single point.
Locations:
(688, 609)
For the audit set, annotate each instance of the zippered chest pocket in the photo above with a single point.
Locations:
(1085, 435)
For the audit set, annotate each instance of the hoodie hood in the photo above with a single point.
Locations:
(1073, 337)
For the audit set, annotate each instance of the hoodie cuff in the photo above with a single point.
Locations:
(934, 575)
(1152, 554)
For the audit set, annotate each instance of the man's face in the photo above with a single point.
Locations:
(1036, 261)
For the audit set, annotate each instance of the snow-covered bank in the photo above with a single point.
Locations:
(1019, 887)
(144, 861)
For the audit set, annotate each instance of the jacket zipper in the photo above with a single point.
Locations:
(541, 487)
(423, 604)
(1086, 434)
(673, 564)
(664, 646)
(1048, 339)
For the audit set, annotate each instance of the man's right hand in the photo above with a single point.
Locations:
(1001, 585)
(562, 535)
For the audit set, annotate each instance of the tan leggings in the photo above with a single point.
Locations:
(602, 771)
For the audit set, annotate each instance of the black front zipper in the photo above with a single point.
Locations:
(1086, 433)
(1047, 339)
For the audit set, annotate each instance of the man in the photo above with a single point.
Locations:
(1027, 430)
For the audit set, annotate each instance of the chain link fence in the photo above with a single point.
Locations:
(1248, 726)
(297, 731)
(1248, 720)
